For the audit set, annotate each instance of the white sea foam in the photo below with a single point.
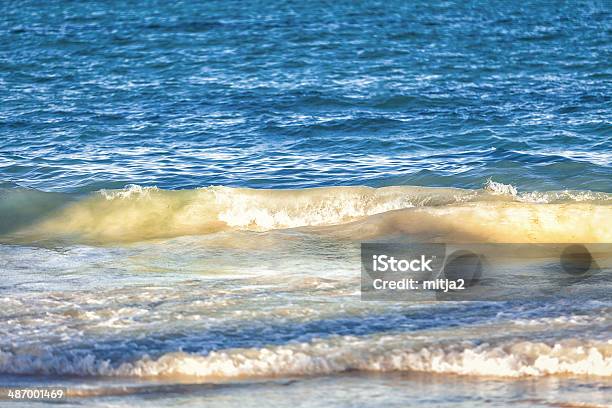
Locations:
(500, 188)
(381, 354)
(131, 191)
(264, 211)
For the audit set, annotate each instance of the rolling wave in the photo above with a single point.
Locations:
(495, 213)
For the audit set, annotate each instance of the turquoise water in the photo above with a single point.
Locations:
(184, 188)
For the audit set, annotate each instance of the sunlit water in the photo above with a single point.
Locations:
(169, 292)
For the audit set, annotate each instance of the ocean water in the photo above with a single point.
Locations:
(184, 188)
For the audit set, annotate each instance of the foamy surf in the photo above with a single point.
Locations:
(497, 213)
(389, 353)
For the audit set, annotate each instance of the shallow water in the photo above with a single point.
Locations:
(184, 189)
(237, 309)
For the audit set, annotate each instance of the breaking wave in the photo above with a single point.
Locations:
(383, 354)
(139, 213)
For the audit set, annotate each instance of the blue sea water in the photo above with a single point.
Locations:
(299, 94)
(151, 255)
